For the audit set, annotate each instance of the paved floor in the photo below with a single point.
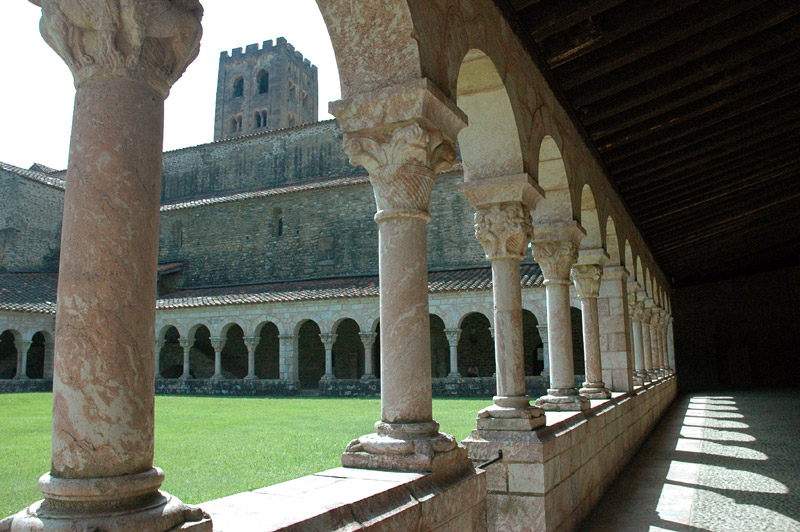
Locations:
(722, 462)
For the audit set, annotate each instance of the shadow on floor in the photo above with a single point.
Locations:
(719, 462)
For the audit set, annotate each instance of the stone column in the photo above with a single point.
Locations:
(639, 375)
(328, 339)
(671, 344)
(647, 315)
(555, 253)
(251, 342)
(289, 369)
(545, 350)
(368, 339)
(159, 347)
(403, 136)
(124, 57)
(186, 345)
(453, 336)
(218, 344)
(655, 337)
(504, 230)
(587, 283)
(22, 360)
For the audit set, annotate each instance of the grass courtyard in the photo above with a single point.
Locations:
(211, 447)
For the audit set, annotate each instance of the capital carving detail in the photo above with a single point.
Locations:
(147, 40)
(328, 339)
(631, 302)
(504, 230)
(368, 338)
(586, 278)
(453, 336)
(401, 160)
(556, 258)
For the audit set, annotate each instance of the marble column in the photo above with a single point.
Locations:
(545, 350)
(368, 339)
(328, 339)
(504, 230)
(639, 374)
(186, 346)
(251, 342)
(289, 367)
(453, 335)
(646, 317)
(218, 344)
(655, 323)
(123, 60)
(586, 278)
(158, 348)
(671, 344)
(403, 136)
(556, 256)
(22, 358)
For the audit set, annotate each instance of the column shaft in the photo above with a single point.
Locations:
(559, 332)
(508, 347)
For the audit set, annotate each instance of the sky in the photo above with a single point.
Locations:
(37, 91)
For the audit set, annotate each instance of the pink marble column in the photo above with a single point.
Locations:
(504, 230)
(586, 278)
(124, 60)
(403, 136)
(556, 257)
(453, 335)
(328, 340)
(251, 342)
(639, 374)
(186, 345)
(368, 339)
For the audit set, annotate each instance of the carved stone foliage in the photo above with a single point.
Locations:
(504, 230)
(401, 160)
(586, 278)
(146, 40)
(556, 258)
(631, 302)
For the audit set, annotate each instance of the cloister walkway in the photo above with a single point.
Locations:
(720, 462)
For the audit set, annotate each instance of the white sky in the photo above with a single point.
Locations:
(36, 90)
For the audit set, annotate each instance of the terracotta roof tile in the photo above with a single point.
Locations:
(28, 292)
(33, 175)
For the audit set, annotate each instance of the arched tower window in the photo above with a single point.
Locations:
(238, 87)
(277, 221)
(263, 82)
(258, 120)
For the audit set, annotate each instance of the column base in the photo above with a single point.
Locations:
(511, 413)
(652, 375)
(563, 400)
(595, 390)
(413, 447)
(454, 375)
(328, 377)
(216, 377)
(251, 378)
(368, 377)
(128, 503)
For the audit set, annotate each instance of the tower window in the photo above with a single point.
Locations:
(263, 82)
(236, 123)
(277, 221)
(238, 87)
(261, 119)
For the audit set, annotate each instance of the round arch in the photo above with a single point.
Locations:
(310, 353)
(440, 348)
(552, 178)
(475, 345)
(590, 220)
(348, 350)
(612, 243)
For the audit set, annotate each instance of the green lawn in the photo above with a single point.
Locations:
(210, 447)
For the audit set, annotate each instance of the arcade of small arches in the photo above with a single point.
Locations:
(32, 351)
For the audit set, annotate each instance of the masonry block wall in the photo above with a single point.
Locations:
(263, 88)
(30, 224)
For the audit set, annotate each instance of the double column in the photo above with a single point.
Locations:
(503, 227)
(251, 342)
(123, 62)
(22, 359)
(368, 339)
(328, 339)
(186, 346)
(555, 249)
(403, 136)
(586, 278)
(453, 335)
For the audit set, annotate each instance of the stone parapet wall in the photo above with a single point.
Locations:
(550, 479)
(232, 387)
(359, 499)
(25, 385)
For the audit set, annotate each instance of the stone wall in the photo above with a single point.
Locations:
(323, 231)
(237, 387)
(30, 224)
(25, 385)
(270, 159)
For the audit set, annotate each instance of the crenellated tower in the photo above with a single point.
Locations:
(265, 88)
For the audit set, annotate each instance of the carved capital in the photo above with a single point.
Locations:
(251, 342)
(586, 278)
(453, 336)
(218, 343)
(401, 160)
(639, 310)
(328, 339)
(152, 41)
(631, 301)
(368, 338)
(556, 258)
(186, 342)
(504, 230)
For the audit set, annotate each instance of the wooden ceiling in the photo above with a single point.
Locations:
(693, 107)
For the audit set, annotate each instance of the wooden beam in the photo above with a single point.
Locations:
(549, 17)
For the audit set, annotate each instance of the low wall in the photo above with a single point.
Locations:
(358, 499)
(232, 387)
(551, 478)
(25, 385)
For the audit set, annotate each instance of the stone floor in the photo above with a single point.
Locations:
(720, 462)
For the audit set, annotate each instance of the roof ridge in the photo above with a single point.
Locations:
(34, 175)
